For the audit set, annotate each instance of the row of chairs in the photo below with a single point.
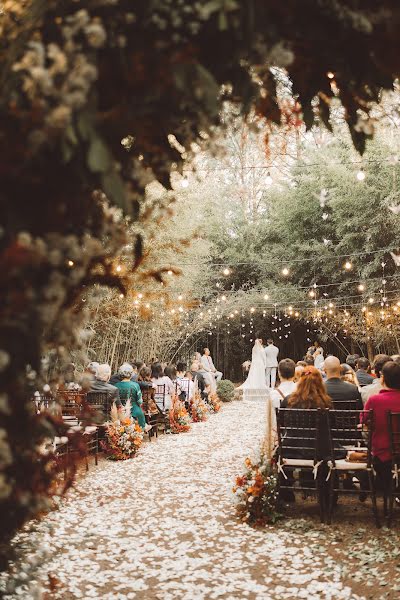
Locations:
(313, 443)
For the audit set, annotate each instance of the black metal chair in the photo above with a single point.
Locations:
(100, 403)
(299, 452)
(346, 405)
(160, 397)
(391, 484)
(152, 418)
(351, 431)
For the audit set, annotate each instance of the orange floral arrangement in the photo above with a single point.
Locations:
(214, 402)
(256, 493)
(198, 408)
(123, 435)
(179, 417)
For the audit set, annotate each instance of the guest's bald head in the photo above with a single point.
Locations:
(332, 367)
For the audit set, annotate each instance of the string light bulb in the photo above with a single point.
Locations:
(285, 271)
(70, 263)
(118, 269)
(348, 266)
(266, 297)
(360, 175)
(361, 287)
(226, 272)
(184, 183)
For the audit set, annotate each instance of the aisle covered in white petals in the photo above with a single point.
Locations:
(163, 526)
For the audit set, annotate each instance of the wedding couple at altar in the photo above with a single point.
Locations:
(263, 369)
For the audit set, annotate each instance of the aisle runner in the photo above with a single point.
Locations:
(163, 526)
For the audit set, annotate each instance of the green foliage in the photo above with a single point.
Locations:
(225, 390)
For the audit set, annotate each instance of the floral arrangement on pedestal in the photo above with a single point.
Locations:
(179, 417)
(123, 434)
(214, 402)
(199, 410)
(256, 493)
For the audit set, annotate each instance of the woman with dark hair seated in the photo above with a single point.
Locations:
(159, 378)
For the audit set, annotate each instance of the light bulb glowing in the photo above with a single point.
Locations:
(226, 272)
(347, 265)
(70, 263)
(371, 300)
(266, 297)
(311, 294)
(361, 287)
(361, 175)
(184, 183)
(119, 268)
(252, 309)
(169, 272)
(285, 271)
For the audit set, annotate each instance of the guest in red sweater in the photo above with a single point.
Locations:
(388, 399)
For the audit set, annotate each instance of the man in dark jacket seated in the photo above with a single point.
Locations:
(344, 395)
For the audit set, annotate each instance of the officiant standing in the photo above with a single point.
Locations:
(271, 352)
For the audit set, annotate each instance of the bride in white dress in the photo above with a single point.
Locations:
(255, 387)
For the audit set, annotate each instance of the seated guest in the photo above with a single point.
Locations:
(309, 360)
(163, 394)
(185, 379)
(187, 386)
(286, 370)
(196, 362)
(170, 371)
(351, 360)
(89, 375)
(373, 388)
(100, 384)
(310, 393)
(298, 372)
(364, 376)
(347, 374)
(338, 390)
(203, 375)
(130, 390)
(386, 400)
(180, 369)
(208, 366)
(148, 389)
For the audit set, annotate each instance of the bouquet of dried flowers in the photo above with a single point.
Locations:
(179, 417)
(198, 408)
(256, 493)
(214, 402)
(123, 434)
